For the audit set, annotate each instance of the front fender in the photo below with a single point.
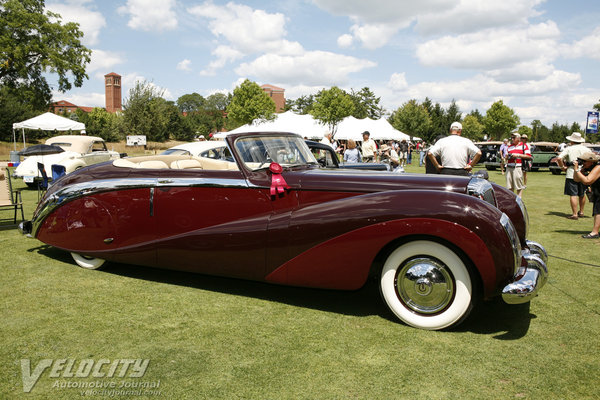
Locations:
(334, 244)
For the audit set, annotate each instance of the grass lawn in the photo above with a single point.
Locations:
(210, 337)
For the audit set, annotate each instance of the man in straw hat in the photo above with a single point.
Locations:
(590, 164)
(575, 190)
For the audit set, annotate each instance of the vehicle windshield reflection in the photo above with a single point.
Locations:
(258, 152)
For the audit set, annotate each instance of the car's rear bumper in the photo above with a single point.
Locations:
(530, 278)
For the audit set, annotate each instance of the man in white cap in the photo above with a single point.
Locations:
(575, 190)
(454, 152)
(515, 154)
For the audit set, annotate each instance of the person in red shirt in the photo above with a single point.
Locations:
(516, 153)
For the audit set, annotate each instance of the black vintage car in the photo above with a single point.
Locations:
(490, 154)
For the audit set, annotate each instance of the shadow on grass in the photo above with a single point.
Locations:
(510, 322)
(558, 214)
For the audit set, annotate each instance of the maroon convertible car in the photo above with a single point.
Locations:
(436, 244)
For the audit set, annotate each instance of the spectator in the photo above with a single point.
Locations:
(454, 152)
(575, 190)
(422, 152)
(516, 153)
(591, 165)
(369, 148)
(411, 146)
(351, 155)
(402, 152)
(328, 140)
(503, 148)
(526, 167)
(389, 155)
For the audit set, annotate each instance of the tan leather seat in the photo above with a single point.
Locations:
(153, 164)
(186, 164)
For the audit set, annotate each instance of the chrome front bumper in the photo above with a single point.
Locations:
(530, 279)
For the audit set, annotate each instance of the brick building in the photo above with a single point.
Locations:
(277, 94)
(112, 98)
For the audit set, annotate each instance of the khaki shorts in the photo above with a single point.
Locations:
(514, 178)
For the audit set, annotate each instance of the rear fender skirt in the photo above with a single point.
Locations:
(344, 261)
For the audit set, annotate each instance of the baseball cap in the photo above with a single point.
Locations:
(456, 125)
(515, 133)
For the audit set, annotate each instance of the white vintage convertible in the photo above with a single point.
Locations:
(79, 151)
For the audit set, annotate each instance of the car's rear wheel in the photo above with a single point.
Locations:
(87, 262)
(427, 285)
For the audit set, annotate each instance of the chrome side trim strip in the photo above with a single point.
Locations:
(78, 190)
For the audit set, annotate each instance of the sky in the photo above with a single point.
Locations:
(539, 57)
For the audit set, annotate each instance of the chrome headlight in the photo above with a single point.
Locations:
(515, 243)
(525, 214)
(483, 189)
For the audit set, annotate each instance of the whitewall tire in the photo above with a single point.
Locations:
(87, 262)
(426, 285)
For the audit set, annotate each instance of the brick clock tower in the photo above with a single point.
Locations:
(112, 85)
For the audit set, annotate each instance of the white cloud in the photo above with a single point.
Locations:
(473, 15)
(398, 81)
(224, 55)
(584, 48)
(491, 48)
(103, 61)
(150, 15)
(333, 68)
(184, 65)
(81, 99)
(345, 40)
(128, 81)
(90, 22)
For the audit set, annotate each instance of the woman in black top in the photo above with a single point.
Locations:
(590, 163)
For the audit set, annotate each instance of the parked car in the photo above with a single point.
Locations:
(216, 149)
(542, 153)
(327, 158)
(79, 151)
(436, 244)
(553, 163)
(490, 154)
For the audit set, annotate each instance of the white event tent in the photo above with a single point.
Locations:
(47, 122)
(308, 127)
(304, 125)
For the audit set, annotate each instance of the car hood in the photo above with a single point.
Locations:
(376, 181)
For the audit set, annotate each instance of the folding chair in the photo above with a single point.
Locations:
(9, 198)
(57, 171)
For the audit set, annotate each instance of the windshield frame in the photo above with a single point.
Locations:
(257, 152)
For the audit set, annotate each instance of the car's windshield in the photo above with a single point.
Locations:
(259, 151)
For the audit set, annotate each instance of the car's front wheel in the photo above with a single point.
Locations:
(87, 262)
(427, 285)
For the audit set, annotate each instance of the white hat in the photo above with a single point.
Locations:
(456, 125)
(575, 137)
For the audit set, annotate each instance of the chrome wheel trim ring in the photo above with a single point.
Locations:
(425, 285)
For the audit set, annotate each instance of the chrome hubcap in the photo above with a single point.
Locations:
(425, 285)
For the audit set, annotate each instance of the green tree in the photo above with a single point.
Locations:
(366, 104)
(536, 124)
(18, 103)
(145, 112)
(34, 42)
(302, 105)
(249, 102)
(331, 107)
(100, 122)
(500, 120)
(190, 102)
(452, 114)
(597, 106)
(525, 130)
(413, 119)
(472, 128)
